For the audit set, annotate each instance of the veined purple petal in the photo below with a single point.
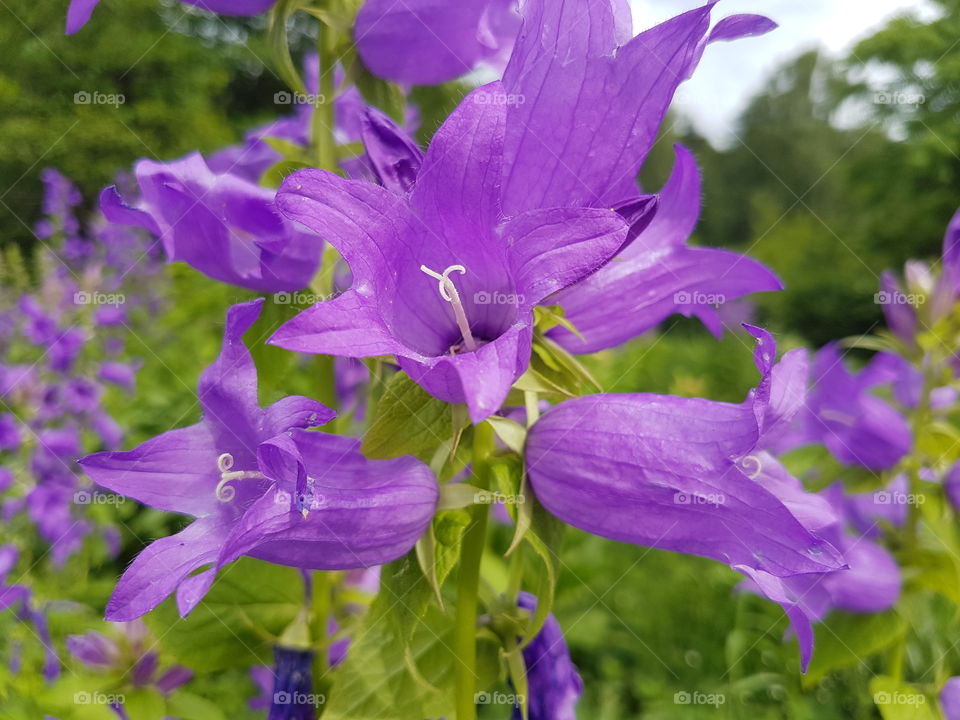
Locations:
(739, 26)
(656, 275)
(658, 471)
(425, 42)
(393, 154)
(161, 566)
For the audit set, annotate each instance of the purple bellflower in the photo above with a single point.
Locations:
(950, 699)
(223, 225)
(441, 278)
(308, 500)
(425, 42)
(79, 11)
(553, 683)
(688, 475)
(927, 299)
(858, 428)
(585, 103)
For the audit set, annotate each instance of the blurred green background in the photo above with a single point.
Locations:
(827, 207)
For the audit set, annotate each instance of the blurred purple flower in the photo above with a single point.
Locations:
(79, 11)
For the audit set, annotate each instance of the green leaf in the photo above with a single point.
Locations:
(249, 605)
(274, 175)
(409, 421)
(400, 664)
(544, 536)
(377, 92)
(280, 46)
(897, 700)
(846, 640)
(187, 706)
(145, 704)
(288, 150)
(510, 432)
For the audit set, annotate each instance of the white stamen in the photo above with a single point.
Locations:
(448, 291)
(225, 492)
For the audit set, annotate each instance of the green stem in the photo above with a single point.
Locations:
(319, 615)
(468, 579)
(323, 118)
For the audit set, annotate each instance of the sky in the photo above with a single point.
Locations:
(731, 72)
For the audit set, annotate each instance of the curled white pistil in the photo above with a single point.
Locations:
(224, 491)
(448, 291)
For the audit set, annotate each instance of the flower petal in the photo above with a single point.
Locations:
(161, 566)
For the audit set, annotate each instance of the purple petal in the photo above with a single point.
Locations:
(173, 678)
(951, 251)
(901, 317)
(656, 275)
(553, 248)
(424, 42)
(175, 471)
(393, 154)
(93, 648)
(739, 26)
(161, 566)
(657, 471)
(78, 14)
(950, 699)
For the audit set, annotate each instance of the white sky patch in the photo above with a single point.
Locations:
(730, 73)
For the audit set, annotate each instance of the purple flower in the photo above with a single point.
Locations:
(423, 42)
(79, 12)
(292, 685)
(304, 499)
(575, 76)
(554, 685)
(122, 374)
(63, 351)
(9, 432)
(687, 475)
(856, 427)
(10, 594)
(657, 275)
(223, 225)
(464, 337)
(950, 699)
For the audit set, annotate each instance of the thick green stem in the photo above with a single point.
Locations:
(468, 580)
(322, 130)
